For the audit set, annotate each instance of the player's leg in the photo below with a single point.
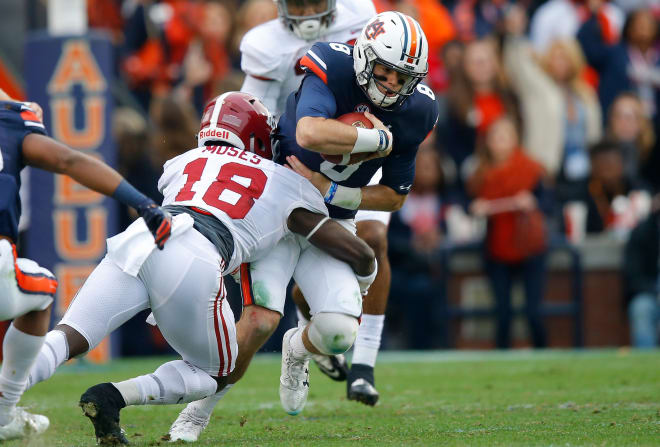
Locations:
(188, 300)
(106, 300)
(372, 228)
(26, 294)
(333, 366)
(331, 289)
(263, 287)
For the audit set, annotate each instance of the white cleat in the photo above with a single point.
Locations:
(188, 426)
(24, 425)
(294, 380)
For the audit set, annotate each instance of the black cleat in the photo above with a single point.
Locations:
(333, 366)
(360, 385)
(101, 404)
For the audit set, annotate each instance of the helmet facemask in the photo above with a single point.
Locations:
(307, 27)
(370, 83)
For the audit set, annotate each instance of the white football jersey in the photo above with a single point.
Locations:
(271, 52)
(252, 196)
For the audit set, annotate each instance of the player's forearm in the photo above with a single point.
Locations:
(381, 198)
(326, 136)
(334, 239)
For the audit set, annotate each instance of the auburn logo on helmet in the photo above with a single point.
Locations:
(374, 29)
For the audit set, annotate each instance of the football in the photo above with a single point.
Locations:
(355, 119)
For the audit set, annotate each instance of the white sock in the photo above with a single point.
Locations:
(297, 345)
(53, 353)
(302, 321)
(204, 407)
(19, 351)
(174, 382)
(367, 342)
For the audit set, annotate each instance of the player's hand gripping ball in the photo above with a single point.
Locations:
(355, 119)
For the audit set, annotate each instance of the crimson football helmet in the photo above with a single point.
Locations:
(238, 119)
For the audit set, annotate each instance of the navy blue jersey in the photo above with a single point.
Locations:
(16, 121)
(330, 90)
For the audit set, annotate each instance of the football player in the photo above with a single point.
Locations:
(388, 62)
(26, 289)
(231, 206)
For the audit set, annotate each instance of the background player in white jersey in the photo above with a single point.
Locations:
(231, 206)
(271, 55)
(26, 289)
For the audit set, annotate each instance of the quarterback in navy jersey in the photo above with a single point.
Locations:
(329, 90)
(380, 75)
(26, 288)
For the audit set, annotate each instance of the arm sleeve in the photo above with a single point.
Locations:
(399, 172)
(315, 99)
(267, 91)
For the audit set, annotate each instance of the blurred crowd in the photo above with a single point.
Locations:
(547, 131)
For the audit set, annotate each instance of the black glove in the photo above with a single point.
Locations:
(158, 221)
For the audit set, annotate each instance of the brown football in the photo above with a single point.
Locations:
(355, 119)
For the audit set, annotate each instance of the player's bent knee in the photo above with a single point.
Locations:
(262, 321)
(77, 343)
(374, 233)
(333, 333)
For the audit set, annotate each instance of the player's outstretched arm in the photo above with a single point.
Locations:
(334, 239)
(46, 153)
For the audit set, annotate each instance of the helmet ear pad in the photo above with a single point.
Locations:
(240, 120)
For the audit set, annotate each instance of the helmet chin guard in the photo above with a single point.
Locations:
(307, 27)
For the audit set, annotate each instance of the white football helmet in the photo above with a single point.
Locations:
(309, 27)
(396, 41)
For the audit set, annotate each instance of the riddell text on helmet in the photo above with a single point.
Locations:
(218, 133)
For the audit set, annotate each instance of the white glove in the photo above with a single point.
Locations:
(366, 281)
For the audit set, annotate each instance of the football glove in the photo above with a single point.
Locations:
(158, 221)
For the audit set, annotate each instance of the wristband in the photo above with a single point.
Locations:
(128, 195)
(331, 192)
(345, 197)
(368, 140)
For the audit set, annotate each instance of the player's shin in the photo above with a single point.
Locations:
(53, 353)
(19, 352)
(172, 383)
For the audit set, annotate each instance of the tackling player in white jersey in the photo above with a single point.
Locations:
(230, 206)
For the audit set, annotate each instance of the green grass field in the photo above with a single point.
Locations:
(442, 398)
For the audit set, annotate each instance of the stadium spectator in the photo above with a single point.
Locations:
(642, 275)
(173, 42)
(561, 114)
(174, 120)
(628, 125)
(509, 191)
(631, 64)
(415, 233)
(561, 19)
(477, 96)
(608, 192)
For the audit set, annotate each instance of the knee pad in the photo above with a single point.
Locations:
(180, 381)
(333, 333)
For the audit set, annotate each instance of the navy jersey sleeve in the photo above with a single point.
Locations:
(399, 171)
(20, 120)
(315, 99)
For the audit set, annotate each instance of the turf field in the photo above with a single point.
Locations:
(442, 398)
